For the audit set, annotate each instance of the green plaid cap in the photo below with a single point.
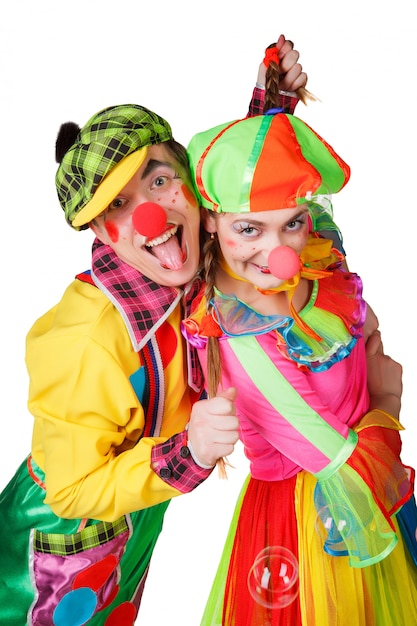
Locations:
(107, 138)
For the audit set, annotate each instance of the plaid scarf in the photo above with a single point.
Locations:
(143, 304)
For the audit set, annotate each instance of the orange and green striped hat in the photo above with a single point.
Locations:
(263, 163)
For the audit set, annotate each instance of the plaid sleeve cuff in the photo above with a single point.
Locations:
(257, 103)
(174, 464)
(287, 101)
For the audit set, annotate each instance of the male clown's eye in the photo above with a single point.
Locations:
(160, 181)
(117, 203)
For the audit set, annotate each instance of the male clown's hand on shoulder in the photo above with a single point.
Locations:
(213, 429)
(384, 377)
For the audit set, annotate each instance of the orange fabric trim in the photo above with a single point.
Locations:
(42, 485)
(32, 474)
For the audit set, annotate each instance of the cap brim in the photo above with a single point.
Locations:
(110, 186)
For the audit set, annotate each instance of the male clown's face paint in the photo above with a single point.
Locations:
(247, 239)
(171, 258)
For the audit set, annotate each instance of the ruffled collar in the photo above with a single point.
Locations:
(316, 257)
(323, 333)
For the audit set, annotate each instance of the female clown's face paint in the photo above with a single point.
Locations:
(171, 257)
(247, 239)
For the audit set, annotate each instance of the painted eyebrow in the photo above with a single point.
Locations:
(258, 223)
(153, 164)
(296, 217)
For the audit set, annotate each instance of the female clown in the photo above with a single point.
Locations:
(282, 321)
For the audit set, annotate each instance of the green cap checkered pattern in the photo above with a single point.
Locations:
(107, 138)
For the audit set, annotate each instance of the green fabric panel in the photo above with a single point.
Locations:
(250, 164)
(315, 151)
(214, 608)
(92, 536)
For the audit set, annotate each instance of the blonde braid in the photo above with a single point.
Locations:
(210, 256)
(272, 87)
(213, 352)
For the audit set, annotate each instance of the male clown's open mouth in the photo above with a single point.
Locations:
(167, 248)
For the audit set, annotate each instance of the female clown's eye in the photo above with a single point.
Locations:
(297, 222)
(245, 228)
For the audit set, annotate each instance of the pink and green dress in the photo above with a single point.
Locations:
(326, 482)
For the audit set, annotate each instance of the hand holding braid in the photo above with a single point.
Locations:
(283, 72)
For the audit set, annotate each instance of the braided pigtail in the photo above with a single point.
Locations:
(272, 81)
(210, 249)
(271, 86)
(211, 252)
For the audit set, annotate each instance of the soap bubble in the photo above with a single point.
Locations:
(273, 577)
(334, 523)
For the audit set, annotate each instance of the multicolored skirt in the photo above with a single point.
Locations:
(70, 572)
(275, 572)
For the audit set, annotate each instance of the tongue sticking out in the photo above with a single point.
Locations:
(149, 219)
(169, 254)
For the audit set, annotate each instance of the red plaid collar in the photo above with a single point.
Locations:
(143, 304)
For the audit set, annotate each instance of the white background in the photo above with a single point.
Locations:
(195, 64)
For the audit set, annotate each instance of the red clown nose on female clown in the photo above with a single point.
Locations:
(284, 262)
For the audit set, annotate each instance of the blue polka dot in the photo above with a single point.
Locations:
(75, 608)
